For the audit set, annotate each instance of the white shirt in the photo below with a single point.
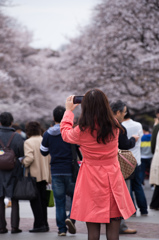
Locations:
(134, 128)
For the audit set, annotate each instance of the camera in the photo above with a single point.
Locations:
(77, 99)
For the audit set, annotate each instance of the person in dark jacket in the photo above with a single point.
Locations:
(119, 109)
(8, 178)
(155, 131)
(61, 171)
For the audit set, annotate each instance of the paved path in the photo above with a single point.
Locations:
(147, 227)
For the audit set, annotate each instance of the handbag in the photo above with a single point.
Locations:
(25, 188)
(127, 162)
(50, 198)
(7, 155)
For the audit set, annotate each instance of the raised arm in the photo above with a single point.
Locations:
(69, 134)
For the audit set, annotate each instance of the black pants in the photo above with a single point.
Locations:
(155, 198)
(39, 206)
(14, 214)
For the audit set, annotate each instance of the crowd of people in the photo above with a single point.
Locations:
(100, 194)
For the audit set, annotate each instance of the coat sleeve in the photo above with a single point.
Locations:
(28, 153)
(18, 145)
(44, 148)
(69, 134)
(154, 137)
(124, 142)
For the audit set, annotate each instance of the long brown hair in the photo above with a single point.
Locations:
(97, 115)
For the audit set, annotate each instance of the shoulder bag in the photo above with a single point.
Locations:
(25, 188)
(127, 162)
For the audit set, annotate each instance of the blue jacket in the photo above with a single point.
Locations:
(60, 151)
(146, 146)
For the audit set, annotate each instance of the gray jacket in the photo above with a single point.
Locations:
(8, 178)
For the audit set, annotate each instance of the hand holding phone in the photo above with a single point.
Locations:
(69, 103)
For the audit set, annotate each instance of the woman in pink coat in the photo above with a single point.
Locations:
(101, 195)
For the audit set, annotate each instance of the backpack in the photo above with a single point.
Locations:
(7, 156)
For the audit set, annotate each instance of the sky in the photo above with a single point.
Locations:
(52, 22)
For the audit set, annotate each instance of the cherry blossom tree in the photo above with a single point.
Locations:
(118, 52)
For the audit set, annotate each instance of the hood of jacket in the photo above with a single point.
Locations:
(55, 130)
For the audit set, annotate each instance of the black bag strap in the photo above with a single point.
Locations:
(74, 154)
(9, 141)
(79, 153)
(2, 144)
(27, 172)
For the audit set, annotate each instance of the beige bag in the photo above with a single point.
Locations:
(127, 162)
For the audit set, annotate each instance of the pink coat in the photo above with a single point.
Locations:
(100, 191)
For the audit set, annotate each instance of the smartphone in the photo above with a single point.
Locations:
(77, 99)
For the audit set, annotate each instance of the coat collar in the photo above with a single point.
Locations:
(2, 128)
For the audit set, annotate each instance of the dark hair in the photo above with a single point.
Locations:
(156, 110)
(6, 119)
(145, 127)
(127, 115)
(58, 113)
(117, 106)
(16, 126)
(33, 129)
(97, 115)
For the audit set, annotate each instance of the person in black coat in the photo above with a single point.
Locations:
(119, 109)
(8, 178)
